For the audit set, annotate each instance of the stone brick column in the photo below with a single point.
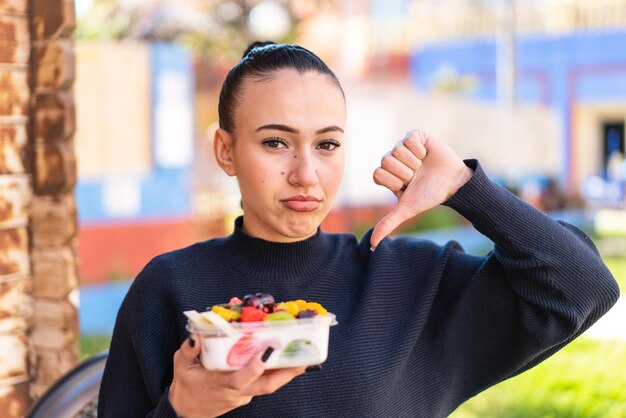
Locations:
(38, 281)
(16, 304)
(54, 337)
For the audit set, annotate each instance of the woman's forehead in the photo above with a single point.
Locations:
(290, 97)
(290, 84)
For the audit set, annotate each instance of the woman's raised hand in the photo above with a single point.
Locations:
(423, 173)
(197, 392)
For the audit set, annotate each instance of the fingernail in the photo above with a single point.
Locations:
(192, 342)
(314, 368)
(372, 248)
(267, 354)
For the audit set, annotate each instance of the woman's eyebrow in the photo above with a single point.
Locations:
(285, 128)
(332, 128)
(278, 127)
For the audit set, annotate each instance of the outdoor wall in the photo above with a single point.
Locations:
(113, 92)
(561, 72)
(513, 144)
(135, 140)
(586, 118)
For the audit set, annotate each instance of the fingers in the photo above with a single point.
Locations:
(384, 178)
(188, 353)
(196, 391)
(244, 377)
(254, 380)
(398, 167)
(386, 225)
(248, 374)
(273, 380)
(416, 142)
(407, 156)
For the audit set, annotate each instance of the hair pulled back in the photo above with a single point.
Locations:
(260, 61)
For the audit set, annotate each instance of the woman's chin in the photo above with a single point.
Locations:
(299, 230)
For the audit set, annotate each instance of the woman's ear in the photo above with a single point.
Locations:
(223, 150)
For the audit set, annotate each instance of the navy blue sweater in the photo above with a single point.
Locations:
(421, 327)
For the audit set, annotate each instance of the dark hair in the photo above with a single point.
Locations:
(260, 60)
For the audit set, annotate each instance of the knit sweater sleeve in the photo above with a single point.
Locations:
(542, 286)
(138, 372)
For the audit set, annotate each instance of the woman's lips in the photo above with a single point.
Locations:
(302, 203)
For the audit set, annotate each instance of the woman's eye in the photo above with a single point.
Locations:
(328, 145)
(275, 143)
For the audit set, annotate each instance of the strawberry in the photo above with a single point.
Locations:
(251, 314)
(242, 351)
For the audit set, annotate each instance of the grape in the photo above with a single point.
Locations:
(267, 300)
(306, 314)
(253, 300)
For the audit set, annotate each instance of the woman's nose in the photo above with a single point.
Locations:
(303, 171)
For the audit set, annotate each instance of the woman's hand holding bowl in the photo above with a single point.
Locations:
(198, 392)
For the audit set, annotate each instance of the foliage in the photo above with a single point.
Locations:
(217, 28)
(93, 344)
(436, 218)
(585, 379)
(617, 265)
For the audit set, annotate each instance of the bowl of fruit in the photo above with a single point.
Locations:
(233, 332)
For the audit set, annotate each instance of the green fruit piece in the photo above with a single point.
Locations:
(279, 316)
(301, 349)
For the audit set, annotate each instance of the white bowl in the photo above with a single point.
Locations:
(297, 342)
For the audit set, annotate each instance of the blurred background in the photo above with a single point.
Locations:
(535, 89)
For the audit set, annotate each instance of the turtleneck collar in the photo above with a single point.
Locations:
(275, 260)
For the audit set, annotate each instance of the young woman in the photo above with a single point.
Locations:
(421, 327)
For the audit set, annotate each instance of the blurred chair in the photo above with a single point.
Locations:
(75, 395)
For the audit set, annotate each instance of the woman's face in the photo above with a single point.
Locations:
(287, 153)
